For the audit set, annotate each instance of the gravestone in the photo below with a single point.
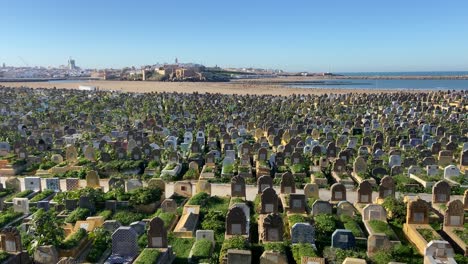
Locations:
(297, 203)
(311, 190)
(53, 184)
(157, 234)
(417, 212)
(56, 158)
(133, 184)
(338, 192)
(169, 206)
(441, 192)
(21, 205)
(156, 183)
(302, 233)
(343, 238)
(71, 204)
(264, 182)
(203, 186)
(43, 205)
(116, 183)
(205, 234)
(345, 208)
(238, 187)
(10, 240)
(387, 187)
(236, 223)
(125, 242)
(92, 179)
(374, 212)
(378, 242)
(71, 155)
(439, 251)
(364, 192)
(360, 165)
(13, 183)
(288, 185)
(111, 205)
(321, 207)
(86, 202)
(455, 214)
(72, 184)
(32, 183)
(451, 171)
(183, 188)
(273, 228)
(269, 201)
(111, 225)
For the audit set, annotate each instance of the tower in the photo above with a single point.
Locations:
(71, 64)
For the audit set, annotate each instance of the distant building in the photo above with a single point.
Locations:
(87, 88)
(71, 64)
(3, 65)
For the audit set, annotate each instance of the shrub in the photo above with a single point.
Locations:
(41, 196)
(325, 224)
(148, 256)
(296, 218)
(302, 250)
(101, 241)
(214, 220)
(236, 242)
(143, 196)
(191, 174)
(8, 216)
(106, 214)
(4, 256)
(276, 246)
(73, 240)
(22, 194)
(201, 249)
(128, 217)
(77, 214)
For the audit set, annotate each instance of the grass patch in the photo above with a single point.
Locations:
(181, 248)
(428, 234)
(382, 227)
(201, 250)
(148, 256)
(302, 250)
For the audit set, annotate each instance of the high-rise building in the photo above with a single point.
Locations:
(3, 65)
(71, 64)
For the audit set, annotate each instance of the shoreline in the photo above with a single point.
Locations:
(244, 87)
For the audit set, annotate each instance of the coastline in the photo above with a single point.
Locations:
(244, 87)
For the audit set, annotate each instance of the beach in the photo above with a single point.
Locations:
(241, 87)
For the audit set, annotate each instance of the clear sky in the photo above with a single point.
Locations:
(308, 35)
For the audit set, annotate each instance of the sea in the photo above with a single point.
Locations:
(396, 84)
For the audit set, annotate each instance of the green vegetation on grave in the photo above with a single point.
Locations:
(325, 225)
(297, 218)
(48, 230)
(396, 210)
(463, 234)
(351, 224)
(148, 256)
(276, 247)
(77, 215)
(201, 250)
(382, 227)
(428, 234)
(73, 240)
(236, 242)
(191, 174)
(22, 194)
(7, 216)
(402, 181)
(106, 214)
(337, 255)
(4, 256)
(42, 195)
(297, 168)
(5, 192)
(167, 217)
(126, 217)
(399, 253)
(47, 165)
(181, 248)
(81, 174)
(215, 220)
(302, 250)
(210, 203)
(170, 166)
(121, 165)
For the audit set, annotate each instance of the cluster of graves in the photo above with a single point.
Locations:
(210, 178)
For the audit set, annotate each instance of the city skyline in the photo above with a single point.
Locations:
(317, 37)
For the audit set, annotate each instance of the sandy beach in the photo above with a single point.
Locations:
(258, 87)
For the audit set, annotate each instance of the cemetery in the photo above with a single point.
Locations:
(112, 177)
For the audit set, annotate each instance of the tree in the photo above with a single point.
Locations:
(47, 229)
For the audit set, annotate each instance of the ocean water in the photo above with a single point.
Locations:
(398, 84)
(424, 73)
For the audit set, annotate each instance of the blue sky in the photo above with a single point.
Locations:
(341, 36)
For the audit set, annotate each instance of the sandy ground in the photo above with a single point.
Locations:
(235, 87)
